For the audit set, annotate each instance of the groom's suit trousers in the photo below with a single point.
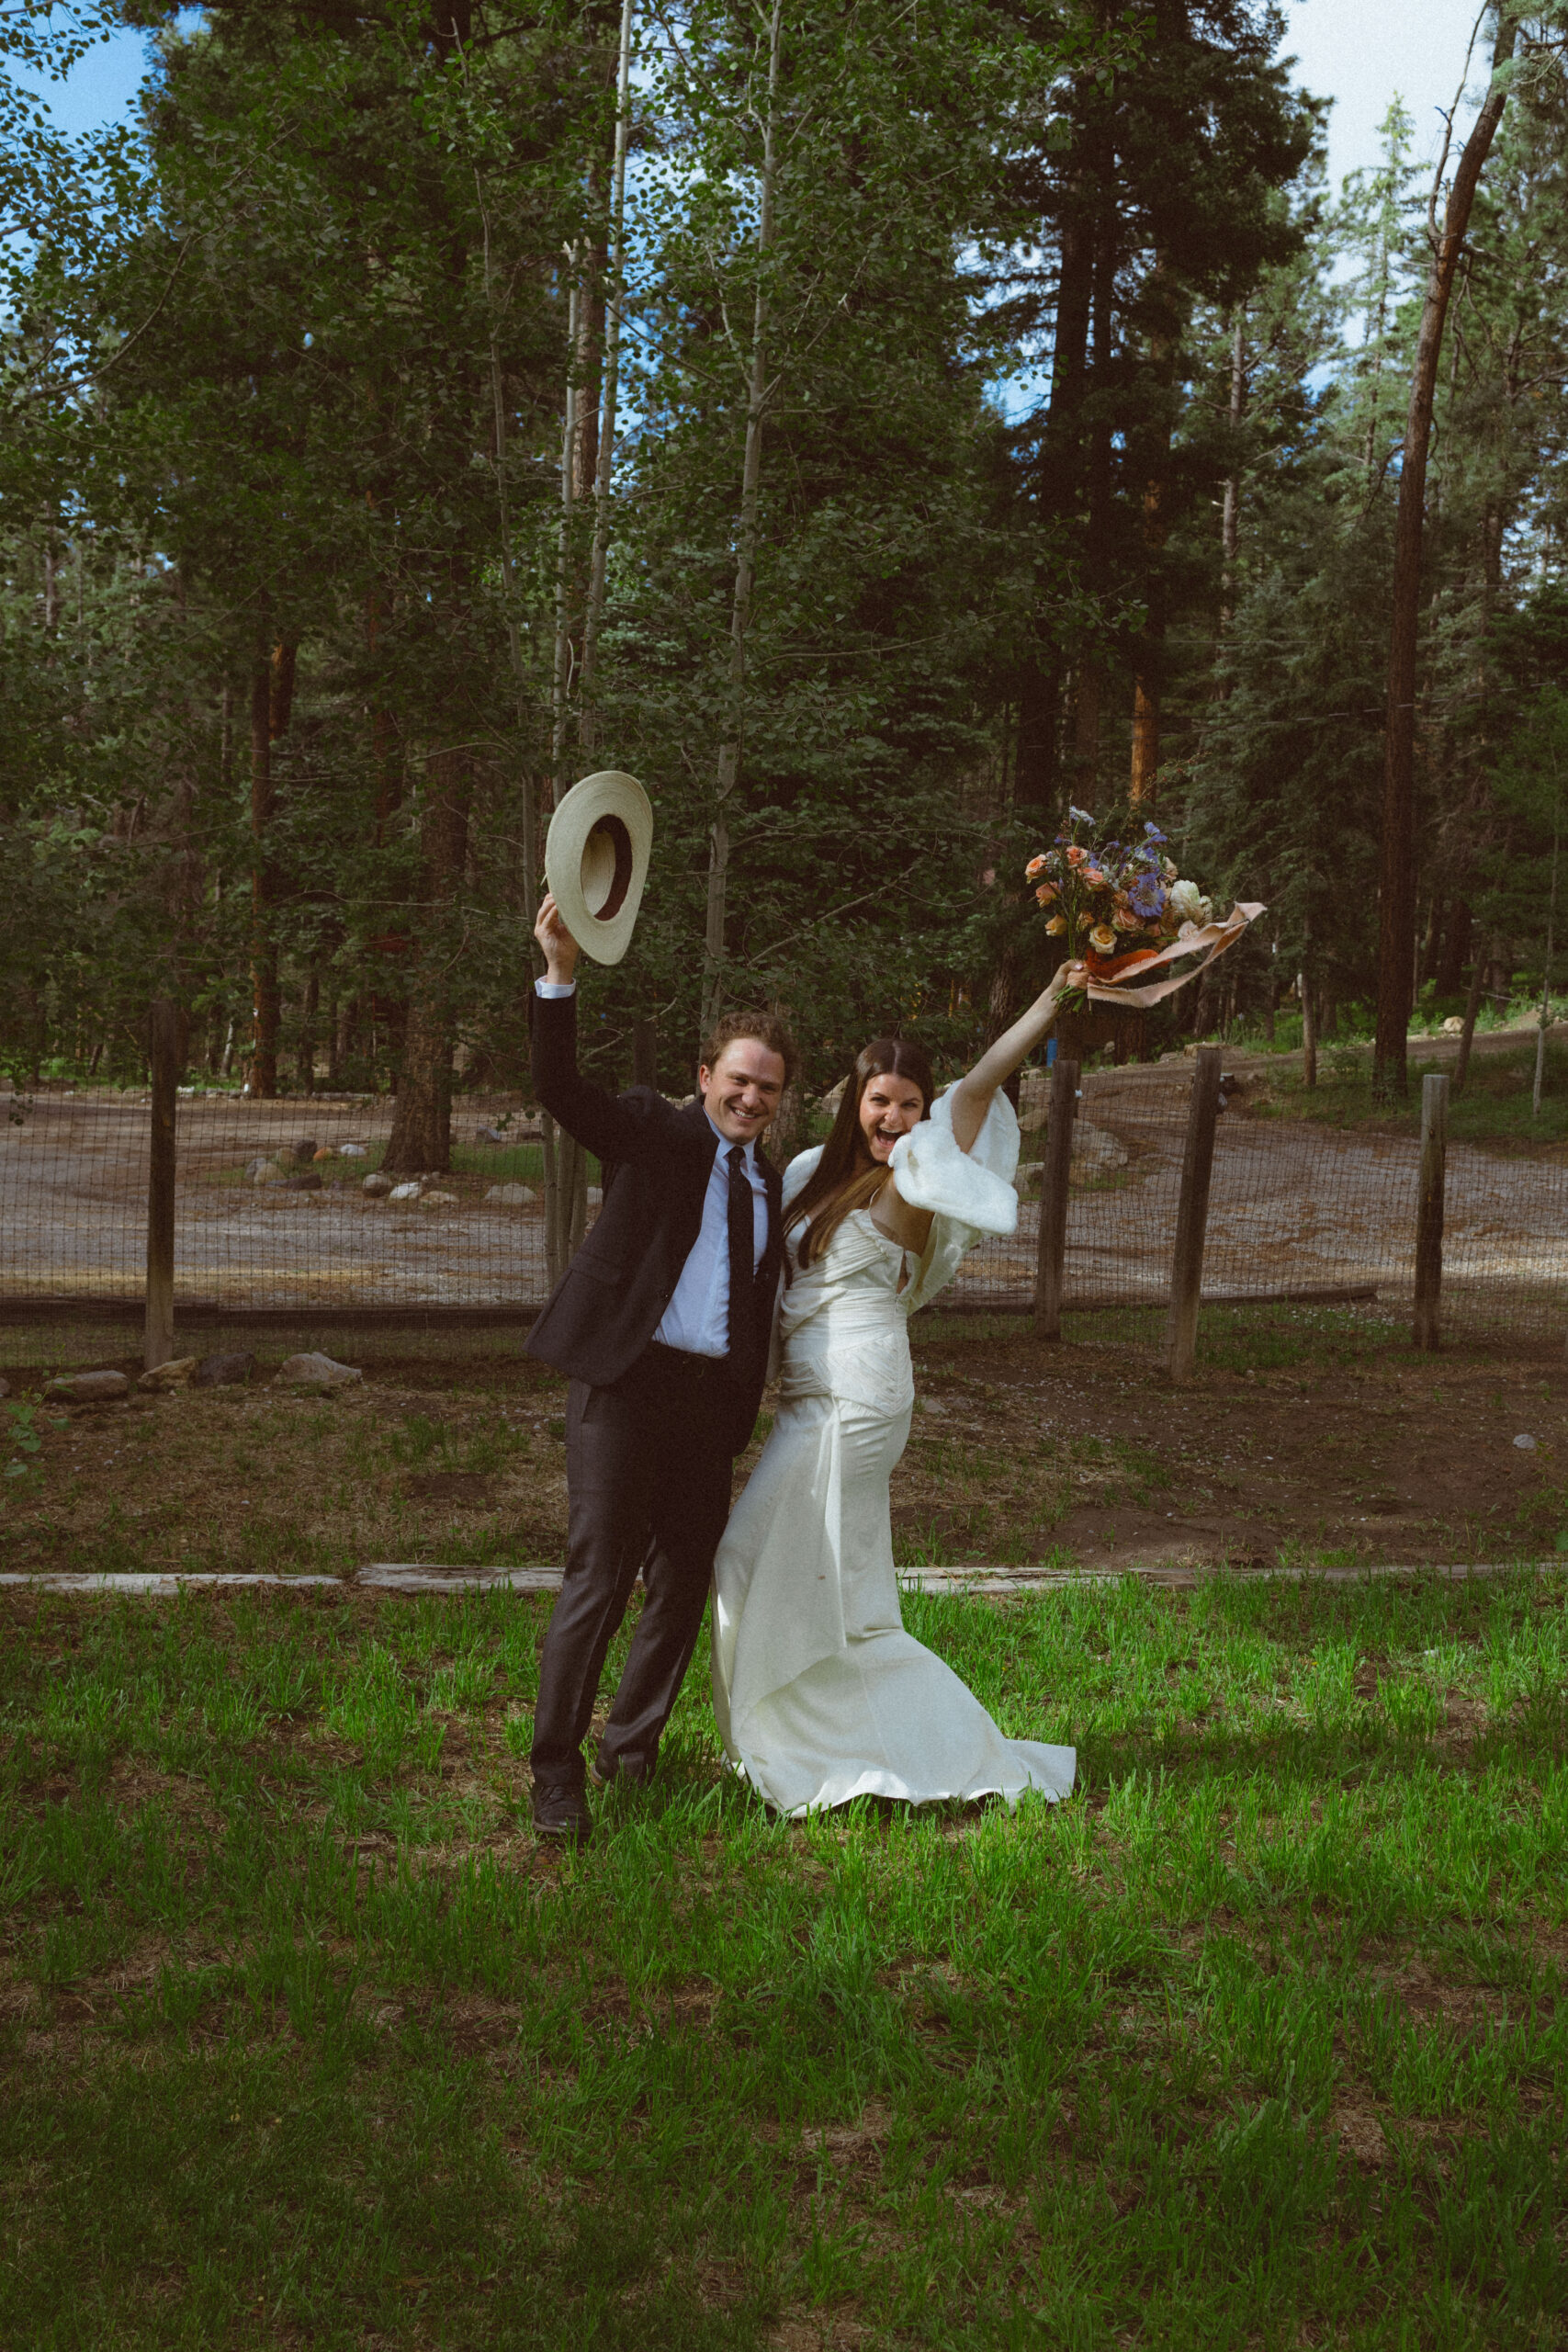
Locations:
(649, 1469)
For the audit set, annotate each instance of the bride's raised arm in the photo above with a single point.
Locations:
(970, 1097)
(969, 1101)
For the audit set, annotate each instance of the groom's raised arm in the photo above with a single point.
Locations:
(613, 1127)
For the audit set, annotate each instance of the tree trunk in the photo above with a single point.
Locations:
(1455, 948)
(1088, 697)
(1396, 909)
(1057, 477)
(1145, 726)
(1472, 1007)
(1230, 518)
(1034, 764)
(307, 1012)
(560, 687)
(1148, 654)
(422, 1124)
(729, 767)
(263, 947)
(594, 614)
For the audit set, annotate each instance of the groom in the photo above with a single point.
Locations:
(661, 1321)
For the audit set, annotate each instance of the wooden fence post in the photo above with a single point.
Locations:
(1192, 1215)
(1051, 1255)
(1429, 1210)
(163, 1051)
(1309, 1031)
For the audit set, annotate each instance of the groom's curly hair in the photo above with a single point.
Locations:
(768, 1029)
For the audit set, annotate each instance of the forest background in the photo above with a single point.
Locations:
(418, 407)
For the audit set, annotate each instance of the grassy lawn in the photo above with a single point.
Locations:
(1255, 2042)
(1496, 1108)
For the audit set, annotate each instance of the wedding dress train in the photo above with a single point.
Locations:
(820, 1693)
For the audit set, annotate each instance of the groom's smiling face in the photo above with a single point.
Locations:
(741, 1091)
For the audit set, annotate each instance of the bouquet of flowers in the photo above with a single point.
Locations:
(1119, 904)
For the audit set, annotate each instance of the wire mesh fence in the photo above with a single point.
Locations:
(271, 1209)
(273, 1217)
(1297, 1211)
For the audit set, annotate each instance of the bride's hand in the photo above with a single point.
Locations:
(1071, 975)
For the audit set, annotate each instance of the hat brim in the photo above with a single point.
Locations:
(596, 856)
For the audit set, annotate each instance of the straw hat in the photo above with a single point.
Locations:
(596, 861)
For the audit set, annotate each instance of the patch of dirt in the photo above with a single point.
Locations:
(1019, 1452)
(1360, 2134)
(1043, 1451)
(469, 1489)
(817, 2332)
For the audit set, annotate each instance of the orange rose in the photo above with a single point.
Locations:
(1036, 865)
(1055, 926)
(1102, 939)
(1076, 856)
(1044, 892)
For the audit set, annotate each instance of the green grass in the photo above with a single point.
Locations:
(1230, 1339)
(1259, 2041)
(518, 1163)
(1497, 1106)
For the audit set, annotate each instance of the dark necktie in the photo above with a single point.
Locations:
(742, 1254)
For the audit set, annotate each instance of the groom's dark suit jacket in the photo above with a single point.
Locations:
(607, 1306)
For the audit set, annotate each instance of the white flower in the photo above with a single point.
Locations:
(1186, 901)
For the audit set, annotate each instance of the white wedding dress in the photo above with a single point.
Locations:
(820, 1694)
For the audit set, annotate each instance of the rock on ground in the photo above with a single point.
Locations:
(224, 1372)
(355, 1151)
(436, 1200)
(405, 1192)
(1096, 1149)
(377, 1187)
(174, 1374)
(310, 1183)
(511, 1196)
(89, 1387)
(317, 1372)
(305, 1149)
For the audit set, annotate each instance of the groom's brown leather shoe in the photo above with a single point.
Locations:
(563, 1815)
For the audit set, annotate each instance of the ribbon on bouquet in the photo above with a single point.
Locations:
(1206, 940)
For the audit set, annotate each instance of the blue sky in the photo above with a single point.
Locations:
(1356, 51)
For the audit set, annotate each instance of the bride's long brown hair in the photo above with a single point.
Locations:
(846, 1177)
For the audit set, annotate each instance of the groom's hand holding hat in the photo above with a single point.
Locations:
(560, 950)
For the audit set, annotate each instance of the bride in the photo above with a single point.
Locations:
(820, 1693)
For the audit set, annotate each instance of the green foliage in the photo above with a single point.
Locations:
(292, 627)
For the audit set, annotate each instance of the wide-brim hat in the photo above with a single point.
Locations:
(596, 858)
